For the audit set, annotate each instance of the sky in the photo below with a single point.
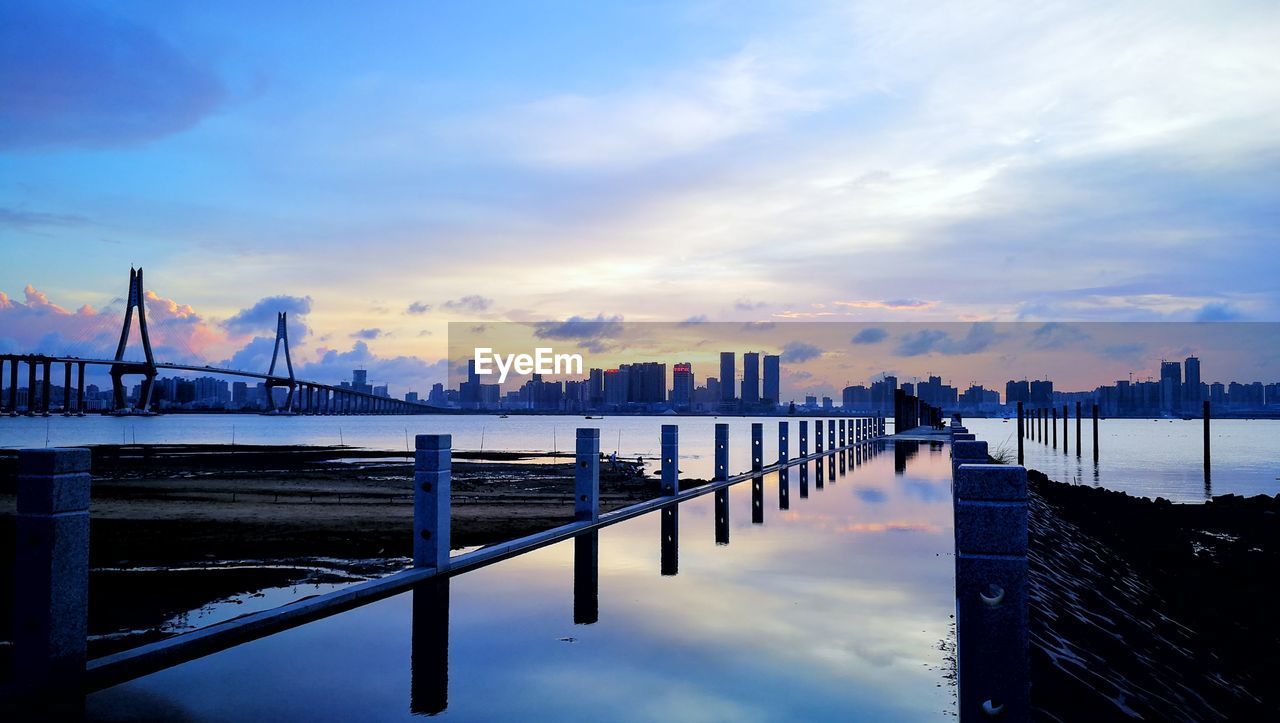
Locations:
(379, 173)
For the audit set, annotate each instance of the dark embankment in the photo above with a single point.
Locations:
(1148, 610)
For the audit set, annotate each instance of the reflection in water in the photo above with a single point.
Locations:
(670, 538)
(819, 475)
(784, 488)
(804, 480)
(903, 451)
(831, 469)
(722, 516)
(843, 460)
(757, 500)
(586, 578)
(429, 658)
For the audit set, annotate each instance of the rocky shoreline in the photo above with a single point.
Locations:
(1145, 609)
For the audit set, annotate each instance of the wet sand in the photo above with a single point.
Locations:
(178, 527)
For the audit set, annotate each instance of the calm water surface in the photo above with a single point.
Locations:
(837, 607)
(1155, 458)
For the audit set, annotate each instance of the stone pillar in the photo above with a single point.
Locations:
(432, 480)
(831, 433)
(784, 473)
(586, 476)
(670, 459)
(843, 441)
(757, 446)
(804, 438)
(722, 452)
(968, 452)
(993, 670)
(51, 570)
(817, 436)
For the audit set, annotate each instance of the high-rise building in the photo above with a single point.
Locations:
(772, 371)
(647, 383)
(728, 374)
(1191, 385)
(751, 378)
(1015, 392)
(1041, 392)
(1170, 387)
(682, 385)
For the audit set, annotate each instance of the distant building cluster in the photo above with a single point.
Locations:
(636, 387)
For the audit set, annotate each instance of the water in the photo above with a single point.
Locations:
(838, 607)
(630, 436)
(1155, 458)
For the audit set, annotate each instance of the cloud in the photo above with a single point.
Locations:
(402, 373)
(77, 76)
(25, 220)
(981, 335)
(1057, 335)
(473, 303)
(795, 352)
(1129, 351)
(578, 327)
(261, 317)
(1218, 311)
(418, 307)
(367, 334)
(871, 495)
(758, 325)
(694, 320)
(887, 304)
(869, 335)
(749, 305)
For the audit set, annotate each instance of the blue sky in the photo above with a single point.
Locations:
(389, 169)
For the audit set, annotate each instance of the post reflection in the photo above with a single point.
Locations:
(842, 463)
(804, 480)
(586, 578)
(670, 538)
(429, 654)
(784, 489)
(757, 500)
(831, 469)
(903, 451)
(818, 474)
(722, 516)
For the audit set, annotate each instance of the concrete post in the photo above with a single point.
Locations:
(804, 438)
(993, 669)
(1206, 444)
(817, 436)
(51, 570)
(1095, 434)
(831, 433)
(432, 480)
(784, 473)
(843, 441)
(44, 402)
(757, 446)
(784, 449)
(586, 476)
(1054, 430)
(13, 386)
(968, 452)
(1022, 432)
(1079, 440)
(670, 459)
(722, 452)
(1066, 430)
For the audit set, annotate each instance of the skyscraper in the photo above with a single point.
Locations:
(1191, 387)
(771, 374)
(751, 378)
(682, 385)
(1170, 387)
(727, 374)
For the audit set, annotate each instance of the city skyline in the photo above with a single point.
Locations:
(336, 175)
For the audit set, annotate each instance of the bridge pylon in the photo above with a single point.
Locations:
(121, 367)
(273, 380)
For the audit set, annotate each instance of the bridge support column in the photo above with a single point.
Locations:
(31, 387)
(670, 459)
(80, 389)
(52, 573)
(66, 389)
(45, 388)
(13, 386)
(992, 640)
(432, 480)
(586, 476)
